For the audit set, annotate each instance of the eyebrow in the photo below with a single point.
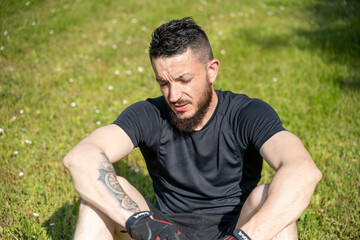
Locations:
(177, 78)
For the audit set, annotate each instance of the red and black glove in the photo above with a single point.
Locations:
(141, 226)
(238, 234)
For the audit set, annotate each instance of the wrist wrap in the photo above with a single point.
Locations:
(241, 235)
(134, 219)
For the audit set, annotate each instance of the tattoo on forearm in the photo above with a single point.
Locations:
(108, 178)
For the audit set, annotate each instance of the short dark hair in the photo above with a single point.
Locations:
(176, 36)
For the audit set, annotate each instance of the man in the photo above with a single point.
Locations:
(203, 149)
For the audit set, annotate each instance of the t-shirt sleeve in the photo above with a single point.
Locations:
(257, 122)
(140, 122)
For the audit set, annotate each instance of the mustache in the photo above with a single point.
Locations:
(180, 102)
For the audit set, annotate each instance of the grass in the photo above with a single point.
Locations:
(300, 56)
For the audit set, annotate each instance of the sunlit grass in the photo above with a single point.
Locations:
(69, 67)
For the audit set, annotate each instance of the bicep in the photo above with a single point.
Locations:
(284, 148)
(112, 140)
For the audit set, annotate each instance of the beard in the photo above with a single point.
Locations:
(189, 124)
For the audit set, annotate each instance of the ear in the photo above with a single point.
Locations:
(213, 69)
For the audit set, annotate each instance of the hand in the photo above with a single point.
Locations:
(142, 226)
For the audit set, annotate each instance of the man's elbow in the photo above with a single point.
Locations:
(73, 158)
(68, 161)
(79, 158)
(317, 175)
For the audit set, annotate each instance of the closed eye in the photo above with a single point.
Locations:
(161, 82)
(185, 81)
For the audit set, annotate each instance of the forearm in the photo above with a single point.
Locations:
(288, 196)
(94, 178)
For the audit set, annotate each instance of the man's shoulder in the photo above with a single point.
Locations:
(230, 101)
(158, 102)
(231, 96)
(159, 105)
(234, 105)
(151, 107)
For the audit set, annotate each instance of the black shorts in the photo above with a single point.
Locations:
(197, 226)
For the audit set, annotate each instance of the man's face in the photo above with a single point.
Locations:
(184, 82)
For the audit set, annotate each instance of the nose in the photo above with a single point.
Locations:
(174, 93)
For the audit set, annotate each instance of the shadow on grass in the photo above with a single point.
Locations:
(61, 224)
(337, 37)
(351, 83)
(337, 29)
(334, 35)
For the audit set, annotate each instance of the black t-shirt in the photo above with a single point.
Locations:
(210, 171)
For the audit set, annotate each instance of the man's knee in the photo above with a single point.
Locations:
(253, 203)
(124, 183)
(92, 223)
(133, 193)
(86, 207)
(257, 197)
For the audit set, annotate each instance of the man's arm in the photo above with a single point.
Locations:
(93, 175)
(290, 189)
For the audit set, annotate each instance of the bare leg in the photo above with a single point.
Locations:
(93, 224)
(253, 204)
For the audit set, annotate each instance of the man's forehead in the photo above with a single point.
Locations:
(177, 65)
(178, 58)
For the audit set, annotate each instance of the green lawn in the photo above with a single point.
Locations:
(69, 67)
